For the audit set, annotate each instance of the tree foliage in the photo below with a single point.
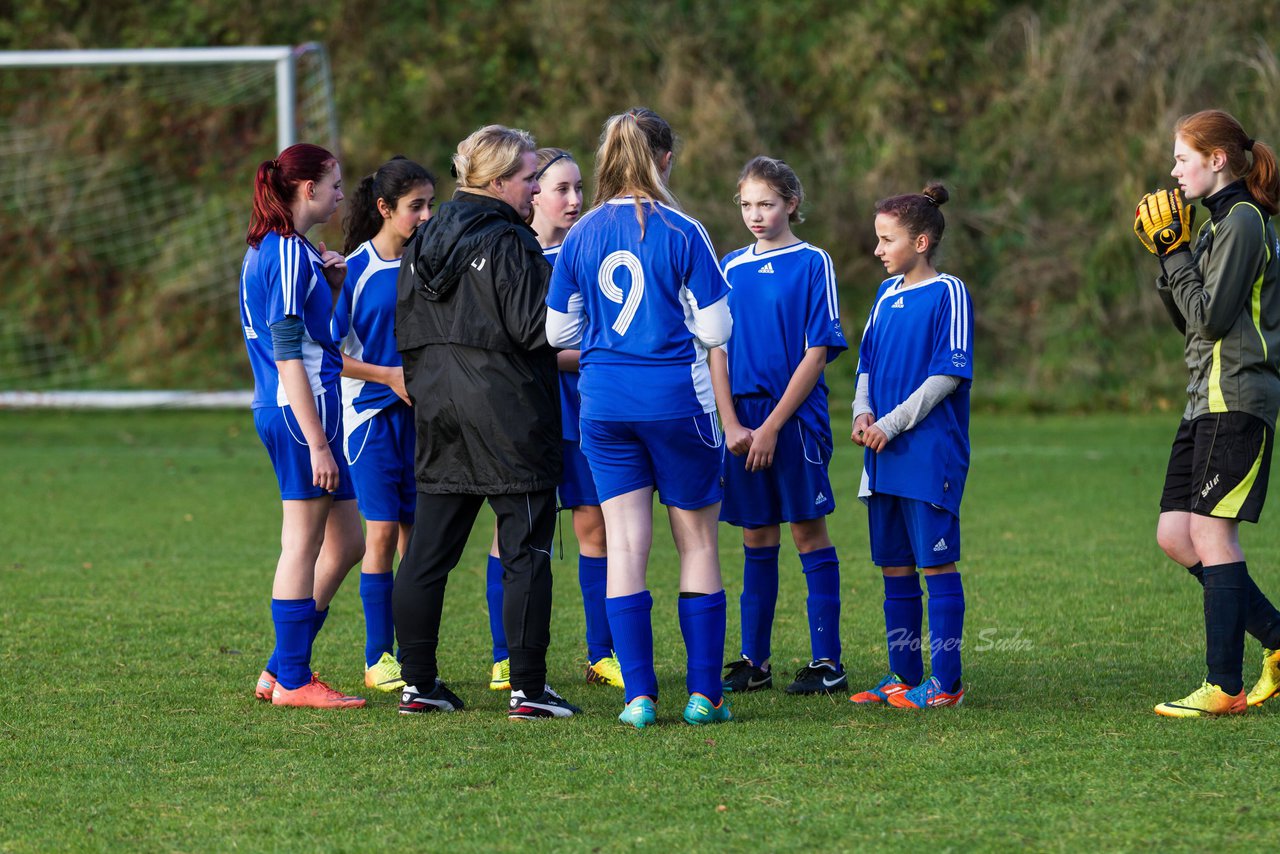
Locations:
(1046, 120)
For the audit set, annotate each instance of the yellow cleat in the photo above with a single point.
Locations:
(500, 676)
(606, 671)
(1268, 684)
(384, 675)
(1206, 701)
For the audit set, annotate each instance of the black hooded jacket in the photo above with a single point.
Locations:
(470, 316)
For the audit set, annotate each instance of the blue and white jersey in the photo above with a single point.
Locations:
(570, 402)
(364, 325)
(283, 277)
(914, 332)
(640, 358)
(783, 302)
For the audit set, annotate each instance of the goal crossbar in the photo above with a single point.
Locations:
(283, 56)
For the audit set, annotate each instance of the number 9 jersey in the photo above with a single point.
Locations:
(637, 299)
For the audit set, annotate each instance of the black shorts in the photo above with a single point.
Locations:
(1219, 466)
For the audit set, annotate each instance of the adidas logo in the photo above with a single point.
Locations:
(767, 268)
(821, 499)
(940, 545)
(898, 303)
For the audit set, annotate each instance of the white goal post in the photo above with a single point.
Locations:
(242, 77)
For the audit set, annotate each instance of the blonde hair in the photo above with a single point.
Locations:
(491, 153)
(629, 160)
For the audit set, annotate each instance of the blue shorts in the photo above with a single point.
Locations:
(380, 451)
(907, 532)
(290, 456)
(679, 457)
(577, 489)
(795, 488)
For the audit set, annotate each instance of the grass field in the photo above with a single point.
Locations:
(135, 557)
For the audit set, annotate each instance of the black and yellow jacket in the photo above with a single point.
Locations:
(1225, 297)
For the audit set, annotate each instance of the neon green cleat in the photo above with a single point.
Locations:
(1268, 684)
(606, 671)
(639, 713)
(384, 675)
(1206, 701)
(500, 676)
(701, 711)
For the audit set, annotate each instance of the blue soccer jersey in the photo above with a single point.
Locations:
(783, 302)
(640, 359)
(283, 277)
(914, 332)
(364, 324)
(570, 402)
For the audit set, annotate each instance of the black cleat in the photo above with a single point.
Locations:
(439, 699)
(548, 704)
(819, 677)
(742, 676)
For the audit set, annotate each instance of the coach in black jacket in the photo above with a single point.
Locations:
(470, 315)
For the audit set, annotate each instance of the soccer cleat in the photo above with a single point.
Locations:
(819, 677)
(885, 688)
(1205, 701)
(639, 713)
(548, 704)
(314, 695)
(742, 676)
(701, 711)
(500, 676)
(1268, 684)
(606, 671)
(438, 699)
(384, 675)
(266, 685)
(926, 695)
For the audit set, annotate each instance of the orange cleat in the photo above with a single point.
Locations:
(266, 684)
(314, 695)
(926, 695)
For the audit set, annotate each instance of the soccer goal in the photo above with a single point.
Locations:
(125, 184)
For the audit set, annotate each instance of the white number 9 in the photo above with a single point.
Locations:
(613, 293)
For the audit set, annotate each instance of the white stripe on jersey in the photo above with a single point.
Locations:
(289, 274)
(249, 331)
(959, 312)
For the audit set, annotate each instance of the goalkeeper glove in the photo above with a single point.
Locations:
(1163, 222)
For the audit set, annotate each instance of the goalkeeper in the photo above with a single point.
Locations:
(1222, 291)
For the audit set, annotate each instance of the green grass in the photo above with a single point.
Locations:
(135, 560)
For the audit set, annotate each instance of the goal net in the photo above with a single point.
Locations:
(125, 186)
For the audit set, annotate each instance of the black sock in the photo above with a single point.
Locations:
(1261, 619)
(1225, 603)
(689, 594)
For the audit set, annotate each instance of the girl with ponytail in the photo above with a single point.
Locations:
(638, 290)
(377, 417)
(287, 289)
(1222, 291)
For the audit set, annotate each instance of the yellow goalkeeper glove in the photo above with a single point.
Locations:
(1163, 222)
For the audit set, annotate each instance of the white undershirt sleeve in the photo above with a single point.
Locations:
(920, 403)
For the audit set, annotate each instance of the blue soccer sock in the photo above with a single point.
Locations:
(702, 620)
(317, 623)
(758, 602)
(903, 614)
(493, 594)
(592, 575)
(379, 627)
(631, 621)
(946, 627)
(293, 619)
(822, 574)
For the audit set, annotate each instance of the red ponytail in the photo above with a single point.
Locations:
(276, 184)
